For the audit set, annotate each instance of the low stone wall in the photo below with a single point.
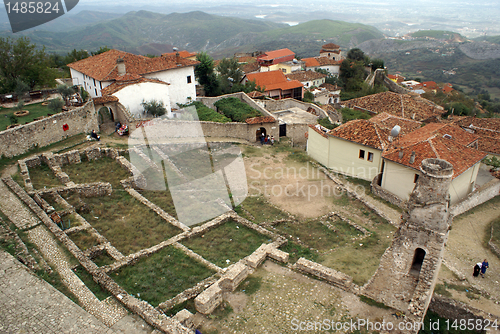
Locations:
(384, 194)
(334, 277)
(284, 104)
(47, 131)
(455, 310)
(484, 194)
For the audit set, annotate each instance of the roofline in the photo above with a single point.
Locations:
(378, 149)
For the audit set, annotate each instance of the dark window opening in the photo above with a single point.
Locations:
(361, 154)
(189, 79)
(370, 156)
(415, 179)
(418, 260)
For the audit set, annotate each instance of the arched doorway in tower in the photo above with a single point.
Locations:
(418, 260)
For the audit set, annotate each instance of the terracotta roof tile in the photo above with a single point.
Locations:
(118, 85)
(462, 158)
(311, 62)
(270, 55)
(305, 75)
(397, 104)
(105, 99)
(388, 122)
(183, 54)
(250, 67)
(272, 80)
(260, 119)
(330, 46)
(323, 61)
(363, 132)
(318, 130)
(103, 66)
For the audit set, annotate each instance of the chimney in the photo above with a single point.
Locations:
(177, 57)
(120, 64)
(412, 157)
(401, 154)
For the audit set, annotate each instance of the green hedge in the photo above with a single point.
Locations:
(235, 109)
(206, 114)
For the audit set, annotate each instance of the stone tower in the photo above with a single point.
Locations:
(409, 268)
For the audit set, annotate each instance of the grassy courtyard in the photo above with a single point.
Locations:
(161, 276)
(42, 177)
(129, 225)
(230, 241)
(101, 170)
(36, 110)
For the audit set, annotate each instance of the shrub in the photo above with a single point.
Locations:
(235, 109)
(154, 108)
(56, 105)
(206, 114)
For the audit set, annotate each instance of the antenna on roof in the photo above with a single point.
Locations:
(394, 132)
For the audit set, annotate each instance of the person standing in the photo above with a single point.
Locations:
(477, 269)
(484, 266)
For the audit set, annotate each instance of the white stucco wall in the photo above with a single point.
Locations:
(317, 147)
(132, 96)
(180, 90)
(344, 158)
(333, 69)
(398, 180)
(92, 86)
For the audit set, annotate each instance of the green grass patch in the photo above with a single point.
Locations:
(42, 177)
(229, 241)
(318, 236)
(93, 286)
(161, 198)
(84, 239)
(36, 110)
(129, 225)
(372, 302)
(440, 289)
(222, 311)
(49, 198)
(251, 285)
(296, 251)
(161, 276)
(104, 169)
(260, 209)
(206, 114)
(235, 109)
(351, 114)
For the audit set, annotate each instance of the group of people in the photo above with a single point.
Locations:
(480, 268)
(264, 140)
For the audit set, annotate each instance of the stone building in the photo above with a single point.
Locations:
(409, 268)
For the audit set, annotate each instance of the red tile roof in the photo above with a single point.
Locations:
(330, 46)
(272, 80)
(488, 129)
(318, 130)
(305, 75)
(260, 119)
(250, 67)
(323, 61)
(429, 84)
(461, 157)
(311, 62)
(270, 55)
(103, 66)
(183, 54)
(388, 122)
(118, 85)
(447, 89)
(400, 105)
(363, 132)
(105, 99)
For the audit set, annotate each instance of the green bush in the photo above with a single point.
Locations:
(235, 109)
(206, 114)
(326, 123)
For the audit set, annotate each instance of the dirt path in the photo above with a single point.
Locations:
(466, 246)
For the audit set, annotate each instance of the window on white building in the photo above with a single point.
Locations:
(188, 79)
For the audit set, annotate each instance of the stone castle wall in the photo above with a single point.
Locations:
(47, 131)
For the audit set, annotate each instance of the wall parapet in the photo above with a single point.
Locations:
(484, 194)
(49, 130)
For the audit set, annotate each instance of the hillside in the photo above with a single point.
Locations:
(147, 32)
(491, 39)
(441, 35)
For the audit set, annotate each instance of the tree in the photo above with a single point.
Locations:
(308, 96)
(205, 74)
(56, 105)
(154, 108)
(75, 55)
(377, 63)
(65, 92)
(230, 75)
(102, 49)
(357, 55)
(19, 59)
(21, 89)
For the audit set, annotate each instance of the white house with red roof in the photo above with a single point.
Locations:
(98, 72)
(402, 160)
(355, 148)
